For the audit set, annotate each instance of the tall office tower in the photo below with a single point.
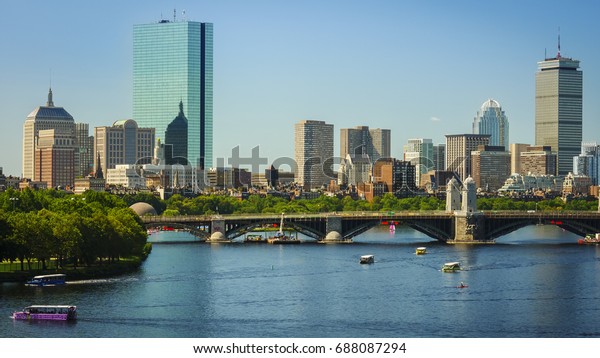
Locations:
(515, 156)
(176, 139)
(419, 152)
(172, 62)
(54, 158)
(84, 150)
(491, 120)
(43, 117)
(439, 157)
(558, 108)
(123, 143)
(491, 167)
(313, 152)
(376, 143)
(458, 152)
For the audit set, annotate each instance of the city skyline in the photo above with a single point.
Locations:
(417, 69)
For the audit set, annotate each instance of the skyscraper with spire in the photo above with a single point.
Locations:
(172, 61)
(559, 108)
(43, 118)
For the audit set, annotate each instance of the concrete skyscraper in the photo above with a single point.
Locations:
(313, 152)
(376, 143)
(173, 62)
(42, 118)
(559, 108)
(491, 120)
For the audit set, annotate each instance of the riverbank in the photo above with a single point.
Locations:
(121, 267)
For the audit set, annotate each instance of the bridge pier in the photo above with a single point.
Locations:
(469, 228)
(333, 229)
(217, 230)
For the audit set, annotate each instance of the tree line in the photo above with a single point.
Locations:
(81, 230)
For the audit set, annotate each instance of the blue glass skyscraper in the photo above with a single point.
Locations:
(173, 62)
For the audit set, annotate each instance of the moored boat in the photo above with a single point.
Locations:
(47, 313)
(281, 238)
(367, 259)
(590, 239)
(451, 267)
(421, 251)
(48, 280)
(254, 238)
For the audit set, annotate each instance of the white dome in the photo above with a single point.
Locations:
(490, 103)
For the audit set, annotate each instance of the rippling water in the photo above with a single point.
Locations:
(536, 282)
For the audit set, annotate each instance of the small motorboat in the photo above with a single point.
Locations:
(367, 259)
(451, 267)
(421, 251)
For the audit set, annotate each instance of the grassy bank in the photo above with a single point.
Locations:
(12, 272)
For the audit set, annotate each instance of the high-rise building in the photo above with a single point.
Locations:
(515, 156)
(123, 143)
(43, 117)
(492, 120)
(439, 157)
(419, 152)
(54, 158)
(538, 160)
(172, 62)
(376, 143)
(176, 139)
(588, 162)
(84, 150)
(559, 108)
(458, 152)
(491, 167)
(313, 152)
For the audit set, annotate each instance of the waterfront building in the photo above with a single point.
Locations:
(313, 153)
(492, 120)
(173, 61)
(376, 143)
(54, 158)
(84, 150)
(176, 139)
(42, 118)
(538, 160)
(559, 108)
(439, 157)
(518, 183)
(126, 176)
(123, 143)
(515, 156)
(458, 152)
(419, 152)
(491, 167)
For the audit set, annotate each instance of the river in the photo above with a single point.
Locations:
(535, 282)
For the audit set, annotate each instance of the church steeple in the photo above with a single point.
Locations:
(50, 103)
(99, 174)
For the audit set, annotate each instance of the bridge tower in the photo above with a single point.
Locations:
(452, 196)
(469, 224)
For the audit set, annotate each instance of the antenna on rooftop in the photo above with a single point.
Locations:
(174, 14)
(558, 56)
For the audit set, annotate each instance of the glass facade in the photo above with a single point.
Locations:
(492, 120)
(173, 62)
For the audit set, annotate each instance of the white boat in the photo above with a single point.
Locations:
(48, 280)
(367, 259)
(451, 267)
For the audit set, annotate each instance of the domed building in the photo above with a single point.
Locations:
(142, 209)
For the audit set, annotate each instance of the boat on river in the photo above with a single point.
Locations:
(47, 280)
(421, 251)
(47, 313)
(451, 267)
(254, 238)
(367, 259)
(590, 239)
(281, 238)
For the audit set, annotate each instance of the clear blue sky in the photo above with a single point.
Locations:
(419, 68)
